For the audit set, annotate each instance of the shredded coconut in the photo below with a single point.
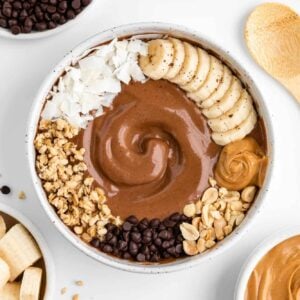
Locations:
(93, 82)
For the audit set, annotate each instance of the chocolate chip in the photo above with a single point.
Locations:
(179, 248)
(5, 189)
(127, 255)
(132, 219)
(95, 243)
(136, 237)
(127, 226)
(154, 223)
(107, 249)
(164, 234)
(141, 257)
(172, 251)
(158, 242)
(110, 227)
(133, 248)
(113, 241)
(76, 4)
(122, 245)
(147, 233)
(169, 223)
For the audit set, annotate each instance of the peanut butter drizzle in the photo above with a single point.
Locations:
(151, 151)
(277, 275)
(241, 163)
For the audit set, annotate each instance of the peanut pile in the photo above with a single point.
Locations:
(214, 217)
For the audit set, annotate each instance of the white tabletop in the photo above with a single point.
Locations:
(23, 66)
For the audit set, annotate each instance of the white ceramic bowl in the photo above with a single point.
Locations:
(259, 252)
(145, 30)
(49, 264)
(43, 34)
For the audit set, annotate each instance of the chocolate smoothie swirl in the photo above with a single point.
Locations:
(151, 151)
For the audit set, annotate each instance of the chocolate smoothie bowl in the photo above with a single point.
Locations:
(150, 145)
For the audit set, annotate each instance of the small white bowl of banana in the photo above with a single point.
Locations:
(26, 266)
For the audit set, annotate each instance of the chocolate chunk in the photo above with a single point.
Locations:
(5, 189)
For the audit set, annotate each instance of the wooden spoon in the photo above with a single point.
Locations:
(272, 35)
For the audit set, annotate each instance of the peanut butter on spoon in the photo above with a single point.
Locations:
(272, 35)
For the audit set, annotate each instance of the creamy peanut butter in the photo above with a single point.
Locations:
(241, 163)
(151, 151)
(277, 275)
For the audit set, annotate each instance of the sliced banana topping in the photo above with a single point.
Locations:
(189, 67)
(160, 56)
(221, 90)
(234, 116)
(212, 82)
(178, 59)
(227, 102)
(237, 133)
(201, 72)
(208, 81)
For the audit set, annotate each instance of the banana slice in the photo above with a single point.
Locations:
(201, 72)
(11, 291)
(31, 284)
(4, 273)
(189, 67)
(178, 59)
(19, 250)
(234, 116)
(160, 55)
(2, 227)
(237, 133)
(227, 102)
(211, 83)
(221, 90)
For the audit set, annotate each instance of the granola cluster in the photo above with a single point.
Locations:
(62, 170)
(214, 216)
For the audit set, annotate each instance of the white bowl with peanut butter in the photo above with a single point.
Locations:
(171, 152)
(272, 270)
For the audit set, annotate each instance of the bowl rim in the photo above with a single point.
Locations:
(257, 254)
(49, 32)
(136, 29)
(47, 256)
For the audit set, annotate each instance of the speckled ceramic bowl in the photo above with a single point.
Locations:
(47, 257)
(148, 30)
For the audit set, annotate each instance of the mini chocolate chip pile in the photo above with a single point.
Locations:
(38, 15)
(144, 240)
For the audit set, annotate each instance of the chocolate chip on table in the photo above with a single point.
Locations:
(144, 240)
(5, 189)
(25, 16)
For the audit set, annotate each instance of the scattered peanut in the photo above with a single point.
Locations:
(248, 193)
(189, 210)
(189, 232)
(190, 247)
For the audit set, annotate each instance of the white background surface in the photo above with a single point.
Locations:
(23, 66)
